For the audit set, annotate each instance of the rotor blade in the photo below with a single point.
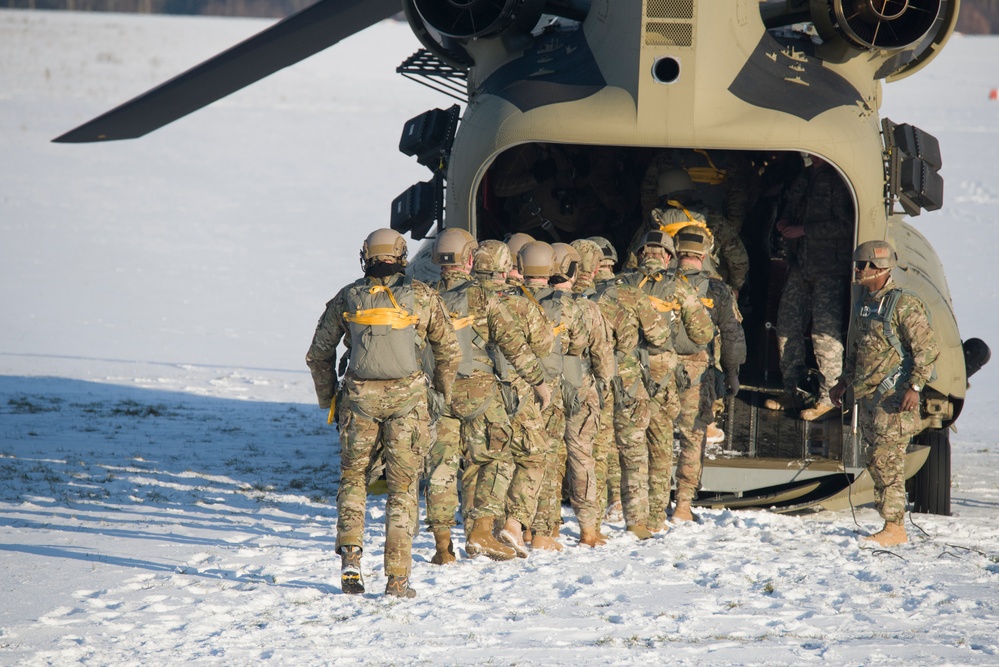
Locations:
(295, 38)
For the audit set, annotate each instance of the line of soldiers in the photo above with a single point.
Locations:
(530, 367)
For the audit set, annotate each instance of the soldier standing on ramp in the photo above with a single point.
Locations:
(384, 319)
(887, 365)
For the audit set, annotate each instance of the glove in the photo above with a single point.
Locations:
(732, 383)
(544, 395)
(543, 170)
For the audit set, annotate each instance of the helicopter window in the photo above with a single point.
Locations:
(666, 70)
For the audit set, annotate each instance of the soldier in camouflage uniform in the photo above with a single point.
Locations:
(728, 349)
(889, 362)
(637, 328)
(818, 225)
(488, 334)
(583, 378)
(677, 192)
(520, 480)
(674, 389)
(384, 319)
(606, 466)
(536, 262)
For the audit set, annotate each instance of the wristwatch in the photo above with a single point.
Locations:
(916, 388)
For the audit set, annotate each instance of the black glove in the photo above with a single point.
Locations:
(732, 383)
(543, 170)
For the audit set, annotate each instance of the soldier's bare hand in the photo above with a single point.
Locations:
(544, 395)
(836, 394)
(789, 231)
(910, 401)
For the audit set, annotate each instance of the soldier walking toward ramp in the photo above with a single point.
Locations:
(489, 336)
(384, 320)
(887, 366)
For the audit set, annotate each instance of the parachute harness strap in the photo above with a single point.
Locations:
(710, 175)
(460, 322)
(661, 305)
(557, 328)
(396, 317)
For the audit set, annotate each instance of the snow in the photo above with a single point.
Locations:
(167, 484)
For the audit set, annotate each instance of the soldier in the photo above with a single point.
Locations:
(728, 349)
(606, 456)
(486, 330)
(536, 262)
(677, 192)
(514, 244)
(637, 328)
(384, 319)
(581, 376)
(673, 388)
(818, 224)
(888, 364)
(521, 480)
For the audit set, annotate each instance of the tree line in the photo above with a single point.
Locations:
(977, 17)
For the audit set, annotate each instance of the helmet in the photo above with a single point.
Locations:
(660, 239)
(878, 253)
(383, 243)
(590, 254)
(536, 260)
(493, 257)
(517, 241)
(453, 247)
(608, 249)
(693, 239)
(675, 180)
(567, 260)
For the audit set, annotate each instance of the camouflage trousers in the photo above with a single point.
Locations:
(606, 465)
(487, 435)
(631, 423)
(549, 514)
(696, 412)
(821, 301)
(394, 411)
(887, 431)
(442, 470)
(663, 409)
(531, 449)
(580, 437)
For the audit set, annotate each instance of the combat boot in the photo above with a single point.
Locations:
(591, 537)
(782, 402)
(713, 434)
(481, 541)
(682, 512)
(892, 534)
(351, 581)
(398, 586)
(641, 532)
(615, 511)
(818, 411)
(513, 536)
(445, 548)
(545, 543)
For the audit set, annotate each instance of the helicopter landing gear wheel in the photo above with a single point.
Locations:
(929, 489)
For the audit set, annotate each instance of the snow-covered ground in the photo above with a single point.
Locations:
(167, 483)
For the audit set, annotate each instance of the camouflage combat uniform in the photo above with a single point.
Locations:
(477, 410)
(728, 349)
(872, 358)
(392, 410)
(582, 420)
(635, 325)
(818, 278)
(679, 391)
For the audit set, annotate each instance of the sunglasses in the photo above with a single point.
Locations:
(864, 265)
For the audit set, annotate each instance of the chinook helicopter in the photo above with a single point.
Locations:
(718, 83)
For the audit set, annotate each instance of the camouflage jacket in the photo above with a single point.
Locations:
(599, 348)
(538, 334)
(871, 357)
(434, 326)
(820, 201)
(634, 324)
(573, 324)
(495, 324)
(730, 341)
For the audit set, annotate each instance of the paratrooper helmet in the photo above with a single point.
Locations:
(675, 181)
(658, 238)
(517, 241)
(383, 243)
(693, 239)
(453, 247)
(590, 254)
(493, 257)
(536, 260)
(567, 261)
(878, 253)
(607, 248)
